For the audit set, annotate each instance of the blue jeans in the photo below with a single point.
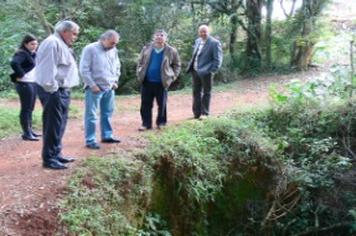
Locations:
(105, 101)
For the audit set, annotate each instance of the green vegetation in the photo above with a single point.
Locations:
(10, 124)
(10, 94)
(253, 43)
(285, 170)
(75, 112)
(109, 196)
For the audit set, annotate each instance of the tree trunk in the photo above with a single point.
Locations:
(253, 13)
(302, 50)
(302, 47)
(38, 11)
(233, 37)
(61, 8)
(268, 33)
(194, 21)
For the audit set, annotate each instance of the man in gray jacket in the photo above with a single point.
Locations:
(100, 70)
(158, 66)
(56, 73)
(205, 62)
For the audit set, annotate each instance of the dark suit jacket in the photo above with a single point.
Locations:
(210, 58)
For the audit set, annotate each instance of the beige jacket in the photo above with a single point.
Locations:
(170, 67)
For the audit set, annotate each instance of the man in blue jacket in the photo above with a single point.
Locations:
(205, 62)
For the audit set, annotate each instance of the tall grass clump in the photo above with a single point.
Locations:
(10, 121)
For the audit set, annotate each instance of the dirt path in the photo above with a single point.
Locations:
(29, 193)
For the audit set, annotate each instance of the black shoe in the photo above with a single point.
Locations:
(54, 165)
(65, 159)
(93, 146)
(111, 140)
(30, 138)
(36, 135)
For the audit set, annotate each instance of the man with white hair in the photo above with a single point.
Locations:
(205, 62)
(100, 70)
(56, 73)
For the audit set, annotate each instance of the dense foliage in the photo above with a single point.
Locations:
(252, 41)
(287, 170)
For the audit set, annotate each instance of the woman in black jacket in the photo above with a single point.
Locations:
(23, 63)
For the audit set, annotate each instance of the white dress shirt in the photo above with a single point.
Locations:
(55, 65)
(200, 48)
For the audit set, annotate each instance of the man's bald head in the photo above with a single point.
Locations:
(203, 32)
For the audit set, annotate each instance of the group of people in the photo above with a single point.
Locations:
(51, 71)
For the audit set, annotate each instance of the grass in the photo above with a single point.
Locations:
(9, 121)
(10, 94)
(106, 191)
(75, 112)
(10, 124)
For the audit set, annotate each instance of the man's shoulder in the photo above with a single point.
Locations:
(171, 48)
(50, 40)
(91, 46)
(50, 43)
(214, 40)
(147, 46)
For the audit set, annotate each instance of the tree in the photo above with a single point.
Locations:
(254, 17)
(268, 33)
(303, 44)
(229, 8)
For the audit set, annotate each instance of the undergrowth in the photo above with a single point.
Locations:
(286, 170)
(10, 121)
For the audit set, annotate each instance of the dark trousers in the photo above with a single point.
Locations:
(55, 116)
(150, 91)
(27, 93)
(42, 95)
(201, 94)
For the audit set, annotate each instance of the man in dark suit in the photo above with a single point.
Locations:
(205, 62)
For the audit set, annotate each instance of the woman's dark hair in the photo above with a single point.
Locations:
(28, 38)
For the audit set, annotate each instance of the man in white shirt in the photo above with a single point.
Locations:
(100, 70)
(56, 72)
